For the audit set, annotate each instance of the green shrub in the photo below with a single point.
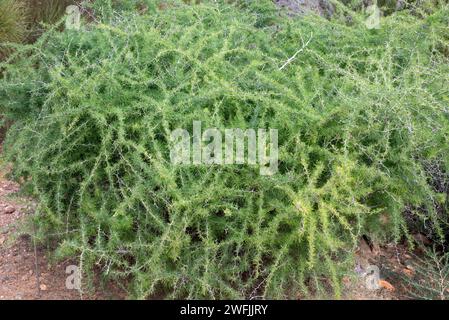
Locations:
(358, 112)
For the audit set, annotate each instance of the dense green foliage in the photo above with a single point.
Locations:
(359, 113)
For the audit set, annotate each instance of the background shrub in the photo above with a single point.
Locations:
(22, 20)
(12, 24)
(44, 12)
(359, 112)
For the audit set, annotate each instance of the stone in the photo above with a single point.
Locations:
(9, 210)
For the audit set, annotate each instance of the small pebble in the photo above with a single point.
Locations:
(410, 267)
(9, 210)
